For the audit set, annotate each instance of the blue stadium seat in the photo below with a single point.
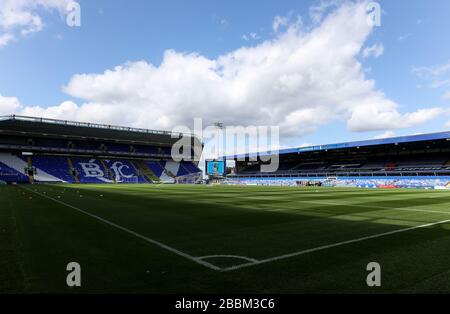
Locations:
(90, 171)
(123, 171)
(56, 166)
(8, 174)
(156, 167)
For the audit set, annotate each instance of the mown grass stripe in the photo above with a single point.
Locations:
(140, 236)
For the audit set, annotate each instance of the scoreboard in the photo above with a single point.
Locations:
(215, 167)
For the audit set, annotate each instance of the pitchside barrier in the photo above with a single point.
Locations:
(361, 182)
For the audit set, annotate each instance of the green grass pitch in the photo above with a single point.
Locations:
(222, 239)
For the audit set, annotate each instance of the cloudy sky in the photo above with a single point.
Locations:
(316, 69)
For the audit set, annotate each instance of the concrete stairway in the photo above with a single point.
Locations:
(145, 171)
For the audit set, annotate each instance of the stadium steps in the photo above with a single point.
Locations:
(146, 172)
(140, 173)
(156, 167)
(30, 165)
(69, 162)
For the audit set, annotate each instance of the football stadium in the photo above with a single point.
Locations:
(113, 200)
(224, 156)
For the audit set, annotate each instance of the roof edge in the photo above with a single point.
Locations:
(371, 142)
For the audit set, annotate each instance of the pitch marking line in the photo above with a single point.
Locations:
(253, 262)
(375, 206)
(329, 246)
(140, 236)
(245, 258)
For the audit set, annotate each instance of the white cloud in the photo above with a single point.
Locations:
(288, 22)
(384, 115)
(300, 80)
(278, 22)
(432, 71)
(9, 105)
(436, 77)
(386, 134)
(447, 125)
(5, 39)
(446, 96)
(317, 12)
(439, 83)
(250, 36)
(222, 21)
(373, 51)
(404, 37)
(22, 17)
(65, 109)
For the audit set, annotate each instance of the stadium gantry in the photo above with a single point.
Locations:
(47, 150)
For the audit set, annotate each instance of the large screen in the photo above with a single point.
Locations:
(215, 167)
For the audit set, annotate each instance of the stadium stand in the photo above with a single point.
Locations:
(47, 150)
(111, 147)
(122, 171)
(11, 174)
(155, 167)
(419, 161)
(57, 167)
(145, 171)
(91, 171)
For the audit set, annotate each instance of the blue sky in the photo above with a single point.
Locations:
(44, 68)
